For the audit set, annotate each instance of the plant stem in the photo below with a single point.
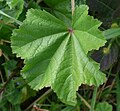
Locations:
(5, 56)
(118, 92)
(94, 98)
(45, 94)
(103, 87)
(1, 77)
(38, 1)
(85, 102)
(17, 21)
(73, 6)
(5, 41)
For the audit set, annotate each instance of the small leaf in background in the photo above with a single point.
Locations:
(11, 7)
(11, 95)
(16, 99)
(111, 33)
(12, 3)
(5, 31)
(3, 101)
(10, 65)
(27, 92)
(16, 108)
(68, 108)
(56, 54)
(104, 106)
(6, 49)
(16, 95)
(33, 4)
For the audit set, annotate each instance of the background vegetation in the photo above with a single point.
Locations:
(16, 95)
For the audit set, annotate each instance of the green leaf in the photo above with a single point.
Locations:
(16, 99)
(5, 31)
(56, 55)
(10, 91)
(33, 4)
(3, 101)
(10, 65)
(104, 106)
(16, 108)
(12, 3)
(6, 49)
(12, 8)
(111, 33)
(68, 108)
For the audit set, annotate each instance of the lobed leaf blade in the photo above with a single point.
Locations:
(56, 55)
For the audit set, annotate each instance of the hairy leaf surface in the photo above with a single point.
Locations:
(56, 55)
